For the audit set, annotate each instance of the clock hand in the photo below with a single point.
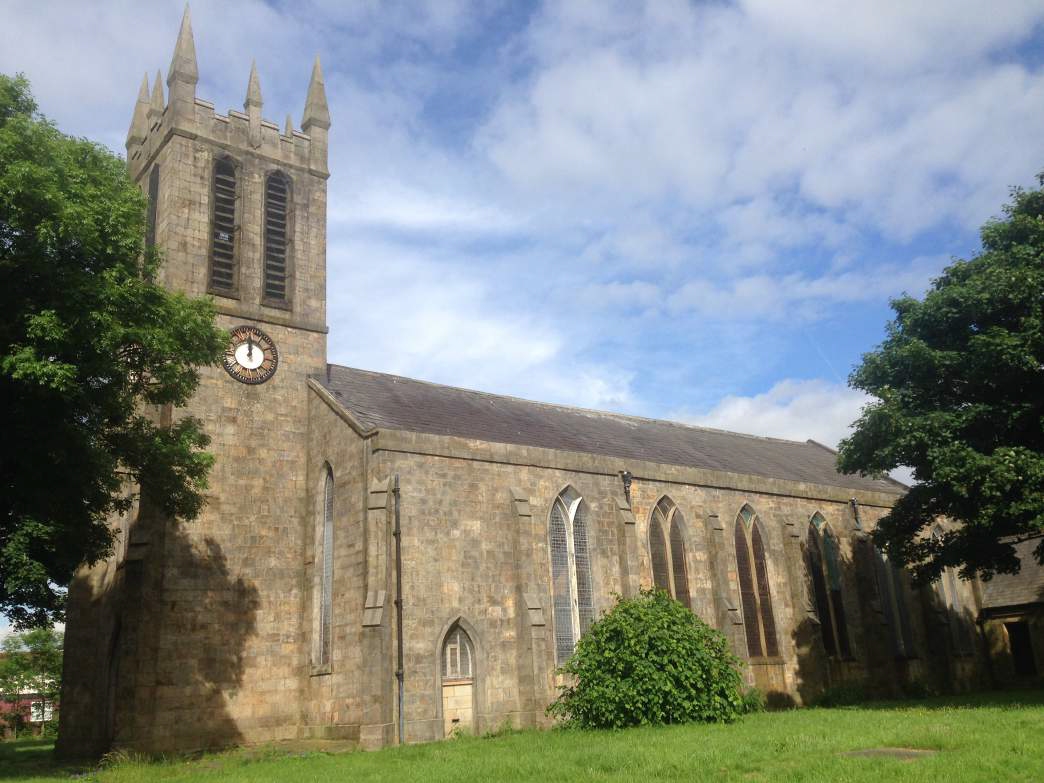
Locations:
(250, 347)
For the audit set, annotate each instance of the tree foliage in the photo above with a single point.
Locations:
(90, 349)
(959, 387)
(30, 663)
(649, 660)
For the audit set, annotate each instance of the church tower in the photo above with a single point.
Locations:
(192, 635)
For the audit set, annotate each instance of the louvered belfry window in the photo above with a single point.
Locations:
(277, 215)
(150, 219)
(824, 568)
(223, 228)
(457, 656)
(571, 578)
(668, 563)
(755, 593)
(326, 579)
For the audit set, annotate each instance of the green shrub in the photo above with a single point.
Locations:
(753, 700)
(649, 660)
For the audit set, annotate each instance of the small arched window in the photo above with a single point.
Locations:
(277, 216)
(457, 656)
(571, 585)
(224, 193)
(667, 549)
(324, 561)
(824, 568)
(755, 594)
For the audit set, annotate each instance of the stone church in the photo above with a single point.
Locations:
(383, 559)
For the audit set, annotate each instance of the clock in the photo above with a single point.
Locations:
(251, 356)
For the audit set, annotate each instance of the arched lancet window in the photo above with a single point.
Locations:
(277, 215)
(324, 565)
(150, 218)
(667, 548)
(224, 193)
(458, 657)
(960, 632)
(571, 586)
(824, 567)
(892, 591)
(755, 594)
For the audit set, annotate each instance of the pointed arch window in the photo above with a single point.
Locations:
(324, 565)
(824, 568)
(960, 631)
(667, 549)
(457, 656)
(223, 228)
(891, 589)
(276, 239)
(571, 584)
(755, 593)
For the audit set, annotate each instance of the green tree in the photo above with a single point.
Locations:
(959, 388)
(30, 663)
(649, 660)
(90, 349)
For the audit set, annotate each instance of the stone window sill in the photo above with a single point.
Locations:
(320, 669)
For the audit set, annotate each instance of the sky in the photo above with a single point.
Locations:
(686, 210)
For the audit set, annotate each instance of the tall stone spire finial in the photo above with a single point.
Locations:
(252, 106)
(183, 64)
(288, 129)
(156, 106)
(316, 112)
(182, 76)
(253, 97)
(139, 126)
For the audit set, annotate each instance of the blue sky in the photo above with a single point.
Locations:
(685, 210)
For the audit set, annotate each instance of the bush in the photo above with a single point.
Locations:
(649, 660)
(753, 700)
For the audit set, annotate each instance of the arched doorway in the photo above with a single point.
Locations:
(457, 667)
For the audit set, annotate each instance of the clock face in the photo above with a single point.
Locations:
(251, 356)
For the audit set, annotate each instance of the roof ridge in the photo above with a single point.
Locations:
(578, 409)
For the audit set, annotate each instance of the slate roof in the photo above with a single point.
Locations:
(381, 401)
(1025, 587)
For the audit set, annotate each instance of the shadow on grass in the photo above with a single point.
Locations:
(27, 758)
(1003, 699)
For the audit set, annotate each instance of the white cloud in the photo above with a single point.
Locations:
(798, 296)
(896, 116)
(567, 203)
(399, 206)
(791, 409)
(438, 324)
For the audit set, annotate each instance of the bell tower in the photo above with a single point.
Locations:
(238, 206)
(193, 634)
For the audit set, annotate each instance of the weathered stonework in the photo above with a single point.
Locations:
(206, 633)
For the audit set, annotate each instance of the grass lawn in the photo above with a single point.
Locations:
(987, 737)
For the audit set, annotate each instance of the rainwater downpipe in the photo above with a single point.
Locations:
(399, 674)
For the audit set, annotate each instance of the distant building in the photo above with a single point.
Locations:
(508, 525)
